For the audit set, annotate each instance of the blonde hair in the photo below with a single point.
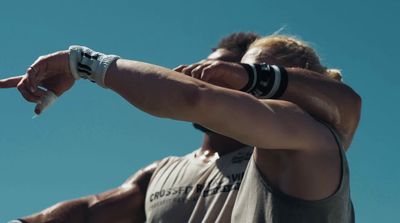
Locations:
(292, 52)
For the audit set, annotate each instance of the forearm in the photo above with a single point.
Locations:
(70, 211)
(122, 205)
(155, 90)
(165, 93)
(326, 99)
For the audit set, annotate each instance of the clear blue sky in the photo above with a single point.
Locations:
(92, 140)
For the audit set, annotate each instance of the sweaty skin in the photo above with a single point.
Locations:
(184, 98)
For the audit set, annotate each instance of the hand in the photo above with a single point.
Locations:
(47, 73)
(224, 74)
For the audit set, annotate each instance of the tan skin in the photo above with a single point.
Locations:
(187, 98)
(290, 172)
(214, 142)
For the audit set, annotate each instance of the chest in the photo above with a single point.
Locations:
(193, 188)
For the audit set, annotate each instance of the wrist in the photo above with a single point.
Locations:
(88, 64)
(241, 77)
(265, 81)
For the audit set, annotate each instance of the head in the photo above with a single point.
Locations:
(276, 49)
(232, 47)
(287, 52)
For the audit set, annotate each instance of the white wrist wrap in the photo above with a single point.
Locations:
(88, 64)
(47, 100)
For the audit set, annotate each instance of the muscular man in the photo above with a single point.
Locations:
(297, 172)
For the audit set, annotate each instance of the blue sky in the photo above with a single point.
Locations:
(91, 140)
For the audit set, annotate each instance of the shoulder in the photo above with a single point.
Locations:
(143, 176)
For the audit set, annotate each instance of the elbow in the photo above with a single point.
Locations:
(193, 102)
(357, 107)
(352, 114)
(353, 108)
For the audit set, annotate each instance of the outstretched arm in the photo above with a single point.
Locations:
(165, 93)
(120, 205)
(161, 92)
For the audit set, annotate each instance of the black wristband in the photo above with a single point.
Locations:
(265, 81)
(251, 72)
(283, 83)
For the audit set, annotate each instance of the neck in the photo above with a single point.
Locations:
(216, 143)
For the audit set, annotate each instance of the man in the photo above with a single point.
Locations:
(294, 175)
(229, 49)
(232, 47)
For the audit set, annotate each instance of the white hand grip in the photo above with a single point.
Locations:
(46, 101)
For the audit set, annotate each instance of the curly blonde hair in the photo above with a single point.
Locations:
(293, 52)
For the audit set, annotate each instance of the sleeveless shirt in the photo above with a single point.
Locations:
(232, 189)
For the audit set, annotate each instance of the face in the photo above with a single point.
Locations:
(222, 55)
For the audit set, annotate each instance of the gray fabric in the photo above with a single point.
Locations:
(183, 189)
(258, 202)
(270, 205)
(187, 190)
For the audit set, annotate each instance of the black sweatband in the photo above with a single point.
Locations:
(283, 84)
(252, 73)
(265, 81)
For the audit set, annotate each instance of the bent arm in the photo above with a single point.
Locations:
(120, 205)
(326, 99)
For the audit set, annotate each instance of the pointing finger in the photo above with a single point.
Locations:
(11, 82)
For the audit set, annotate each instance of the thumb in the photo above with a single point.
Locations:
(46, 100)
(11, 82)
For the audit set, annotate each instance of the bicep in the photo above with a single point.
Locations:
(125, 203)
(272, 124)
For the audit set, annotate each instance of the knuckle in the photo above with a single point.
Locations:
(180, 67)
(196, 71)
(216, 63)
(20, 86)
(184, 70)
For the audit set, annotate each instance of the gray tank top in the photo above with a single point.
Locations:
(258, 202)
(231, 189)
(185, 189)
